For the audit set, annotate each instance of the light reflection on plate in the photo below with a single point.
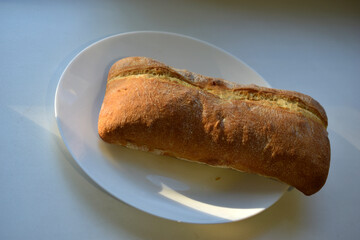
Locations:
(163, 186)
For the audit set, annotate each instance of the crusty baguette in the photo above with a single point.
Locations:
(274, 133)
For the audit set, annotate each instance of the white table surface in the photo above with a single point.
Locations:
(307, 46)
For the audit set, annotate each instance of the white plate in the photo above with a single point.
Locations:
(162, 186)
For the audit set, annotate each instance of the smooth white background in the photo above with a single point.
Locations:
(308, 46)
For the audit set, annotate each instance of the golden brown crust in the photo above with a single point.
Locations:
(275, 133)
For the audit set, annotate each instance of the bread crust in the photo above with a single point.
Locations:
(275, 133)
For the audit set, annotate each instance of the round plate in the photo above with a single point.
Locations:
(160, 185)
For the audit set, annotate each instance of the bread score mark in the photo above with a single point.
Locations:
(294, 105)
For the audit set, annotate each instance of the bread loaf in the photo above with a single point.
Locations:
(274, 133)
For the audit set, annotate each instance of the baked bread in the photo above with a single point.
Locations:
(274, 133)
